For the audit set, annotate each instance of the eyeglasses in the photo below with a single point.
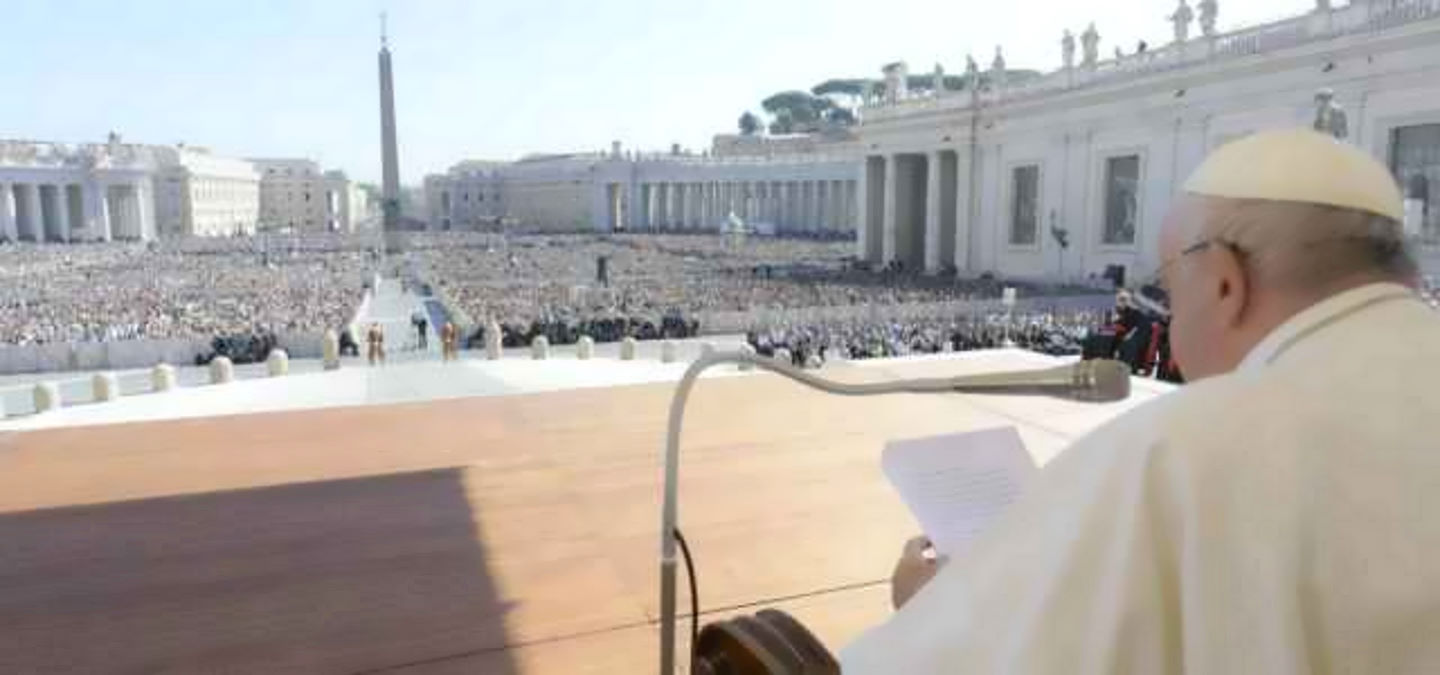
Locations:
(1155, 293)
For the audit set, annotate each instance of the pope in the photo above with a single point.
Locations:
(1280, 513)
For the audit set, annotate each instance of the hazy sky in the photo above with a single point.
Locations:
(495, 79)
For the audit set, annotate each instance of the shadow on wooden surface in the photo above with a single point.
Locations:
(343, 576)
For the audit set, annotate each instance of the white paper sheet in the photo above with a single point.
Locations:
(958, 484)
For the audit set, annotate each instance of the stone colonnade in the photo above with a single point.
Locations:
(83, 209)
(789, 206)
(911, 205)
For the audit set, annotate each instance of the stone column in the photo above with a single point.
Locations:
(782, 206)
(121, 215)
(62, 211)
(716, 203)
(824, 195)
(797, 199)
(697, 217)
(887, 227)
(708, 214)
(642, 211)
(932, 212)
(634, 207)
(835, 206)
(862, 211)
(966, 186)
(8, 228)
(823, 209)
(852, 205)
(682, 205)
(682, 215)
(803, 200)
(662, 205)
(33, 222)
(97, 211)
(783, 223)
(822, 204)
(672, 204)
(143, 207)
(687, 214)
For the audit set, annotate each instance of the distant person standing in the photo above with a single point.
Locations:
(449, 342)
(422, 329)
(375, 341)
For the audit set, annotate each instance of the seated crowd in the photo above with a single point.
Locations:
(612, 286)
(811, 344)
(186, 289)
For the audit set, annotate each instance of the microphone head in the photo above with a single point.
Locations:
(1102, 381)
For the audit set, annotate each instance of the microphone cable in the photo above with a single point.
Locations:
(694, 592)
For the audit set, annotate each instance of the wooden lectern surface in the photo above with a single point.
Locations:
(489, 535)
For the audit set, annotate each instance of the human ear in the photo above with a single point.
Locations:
(1232, 285)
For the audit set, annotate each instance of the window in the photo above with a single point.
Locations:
(1122, 206)
(1024, 204)
(1415, 159)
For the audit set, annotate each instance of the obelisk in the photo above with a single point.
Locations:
(389, 156)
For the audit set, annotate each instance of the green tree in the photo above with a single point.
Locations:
(783, 123)
(749, 124)
(797, 111)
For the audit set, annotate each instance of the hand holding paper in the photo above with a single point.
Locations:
(957, 485)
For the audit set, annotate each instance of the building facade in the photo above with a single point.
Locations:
(801, 192)
(1064, 175)
(467, 197)
(297, 195)
(58, 192)
(198, 194)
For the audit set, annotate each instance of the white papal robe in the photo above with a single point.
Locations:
(1284, 518)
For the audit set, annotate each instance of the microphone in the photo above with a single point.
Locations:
(1096, 381)
(1100, 380)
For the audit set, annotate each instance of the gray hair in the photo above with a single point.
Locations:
(1299, 245)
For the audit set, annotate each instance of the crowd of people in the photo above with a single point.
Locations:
(810, 344)
(618, 285)
(240, 293)
(191, 289)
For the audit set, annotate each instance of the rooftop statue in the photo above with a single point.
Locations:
(1329, 116)
(1209, 10)
(997, 69)
(1181, 20)
(1090, 42)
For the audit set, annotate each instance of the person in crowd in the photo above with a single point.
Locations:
(449, 341)
(375, 340)
(422, 329)
(348, 345)
(1269, 516)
